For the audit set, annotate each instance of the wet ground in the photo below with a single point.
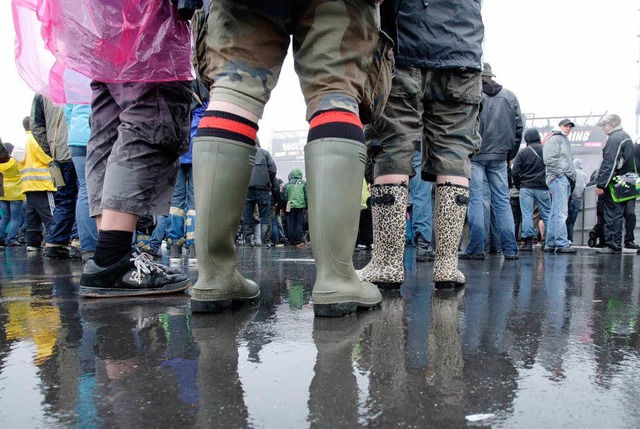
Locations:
(543, 342)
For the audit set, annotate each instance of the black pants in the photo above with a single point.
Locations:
(40, 205)
(612, 216)
(629, 215)
(295, 222)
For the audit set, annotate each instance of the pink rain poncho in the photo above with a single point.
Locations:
(62, 44)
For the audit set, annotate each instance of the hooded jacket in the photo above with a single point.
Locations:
(557, 157)
(435, 34)
(581, 180)
(296, 190)
(500, 123)
(608, 166)
(528, 170)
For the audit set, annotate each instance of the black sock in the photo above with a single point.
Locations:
(112, 246)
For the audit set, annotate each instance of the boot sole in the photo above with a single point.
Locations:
(219, 305)
(96, 292)
(448, 285)
(340, 309)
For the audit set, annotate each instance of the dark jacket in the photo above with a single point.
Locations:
(264, 172)
(49, 128)
(500, 123)
(528, 169)
(435, 34)
(609, 160)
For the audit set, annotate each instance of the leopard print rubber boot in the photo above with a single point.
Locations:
(451, 209)
(389, 213)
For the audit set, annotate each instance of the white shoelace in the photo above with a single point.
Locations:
(144, 265)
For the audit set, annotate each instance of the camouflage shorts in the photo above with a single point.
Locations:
(333, 44)
(436, 106)
(138, 131)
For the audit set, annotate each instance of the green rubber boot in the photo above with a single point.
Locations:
(335, 168)
(221, 173)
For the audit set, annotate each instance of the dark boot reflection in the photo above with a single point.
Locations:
(333, 393)
(221, 392)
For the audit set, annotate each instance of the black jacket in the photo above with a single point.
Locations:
(264, 171)
(528, 169)
(435, 34)
(609, 160)
(500, 123)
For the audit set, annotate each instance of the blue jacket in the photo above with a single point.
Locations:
(77, 116)
(435, 34)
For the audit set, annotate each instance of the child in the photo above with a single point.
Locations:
(37, 185)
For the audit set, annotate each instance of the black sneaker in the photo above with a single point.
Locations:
(631, 245)
(135, 274)
(566, 249)
(56, 252)
(474, 257)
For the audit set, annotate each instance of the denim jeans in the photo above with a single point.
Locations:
(64, 214)
(420, 190)
(182, 214)
(263, 200)
(87, 229)
(527, 197)
(491, 229)
(496, 173)
(277, 231)
(574, 208)
(557, 227)
(11, 217)
(162, 223)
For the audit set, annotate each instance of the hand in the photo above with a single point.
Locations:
(599, 191)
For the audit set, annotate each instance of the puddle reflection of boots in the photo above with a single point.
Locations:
(445, 347)
(221, 392)
(333, 393)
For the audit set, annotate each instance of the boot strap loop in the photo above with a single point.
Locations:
(461, 200)
(383, 200)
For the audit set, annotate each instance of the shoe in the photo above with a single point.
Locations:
(593, 236)
(280, 245)
(134, 275)
(301, 245)
(13, 244)
(145, 248)
(475, 256)
(334, 163)
(567, 249)
(389, 215)
(608, 251)
(631, 245)
(223, 168)
(527, 245)
(74, 253)
(193, 259)
(424, 251)
(2, 244)
(548, 249)
(34, 248)
(452, 202)
(512, 257)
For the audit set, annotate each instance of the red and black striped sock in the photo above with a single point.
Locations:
(216, 123)
(337, 124)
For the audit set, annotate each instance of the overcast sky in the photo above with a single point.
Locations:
(560, 58)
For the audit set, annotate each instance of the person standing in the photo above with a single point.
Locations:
(501, 130)
(575, 202)
(49, 128)
(12, 198)
(560, 175)
(434, 99)
(295, 195)
(617, 159)
(246, 44)
(263, 176)
(528, 174)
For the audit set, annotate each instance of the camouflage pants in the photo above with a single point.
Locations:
(138, 131)
(333, 42)
(438, 107)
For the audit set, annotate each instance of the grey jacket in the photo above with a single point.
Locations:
(49, 128)
(500, 124)
(556, 154)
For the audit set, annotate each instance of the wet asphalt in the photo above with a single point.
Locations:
(547, 341)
